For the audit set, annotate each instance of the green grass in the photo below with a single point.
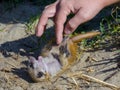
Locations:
(1, 30)
(110, 32)
(31, 24)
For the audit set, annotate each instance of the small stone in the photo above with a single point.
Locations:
(16, 88)
(1, 88)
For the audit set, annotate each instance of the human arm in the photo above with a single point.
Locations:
(84, 11)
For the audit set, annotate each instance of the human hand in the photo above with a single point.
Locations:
(84, 11)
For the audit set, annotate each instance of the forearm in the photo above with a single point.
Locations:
(108, 2)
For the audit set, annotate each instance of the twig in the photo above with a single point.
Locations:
(92, 79)
(75, 82)
(7, 78)
(11, 64)
(93, 59)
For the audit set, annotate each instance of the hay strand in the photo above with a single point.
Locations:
(92, 79)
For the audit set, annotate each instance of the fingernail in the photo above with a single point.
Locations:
(59, 40)
(39, 32)
(67, 31)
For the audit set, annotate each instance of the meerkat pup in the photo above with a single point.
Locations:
(56, 59)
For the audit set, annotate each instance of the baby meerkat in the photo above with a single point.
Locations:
(56, 59)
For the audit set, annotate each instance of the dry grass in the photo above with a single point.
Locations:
(91, 79)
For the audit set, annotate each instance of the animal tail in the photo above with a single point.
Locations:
(80, 37)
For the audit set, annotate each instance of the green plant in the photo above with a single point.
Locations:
(110, 32)
(31, 24)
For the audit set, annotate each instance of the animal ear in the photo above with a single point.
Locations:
(40, 58)
(80, 37)
(31, 59)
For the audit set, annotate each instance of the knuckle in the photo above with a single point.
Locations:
(44, 13)
(45, 10)
(58, 21)
(63, 3)
(46, 7)
(57, 24)
(71, 26)
(86, 16)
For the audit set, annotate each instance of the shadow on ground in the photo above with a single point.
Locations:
(107, 67)
(28, 46)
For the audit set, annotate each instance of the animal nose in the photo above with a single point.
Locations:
(40, 74)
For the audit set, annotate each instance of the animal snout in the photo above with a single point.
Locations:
(40, 74)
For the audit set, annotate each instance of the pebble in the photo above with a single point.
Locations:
(16, 88)
(1, 88)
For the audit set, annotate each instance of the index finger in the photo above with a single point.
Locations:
(47, 13)
(60, 19)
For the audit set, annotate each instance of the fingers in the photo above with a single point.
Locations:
(60, 19)
(79, 18)
(47, 13)
(41, 24)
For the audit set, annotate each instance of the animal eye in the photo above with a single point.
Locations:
(31, 65)
(40, 74)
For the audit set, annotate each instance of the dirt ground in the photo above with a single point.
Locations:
(15, 44)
